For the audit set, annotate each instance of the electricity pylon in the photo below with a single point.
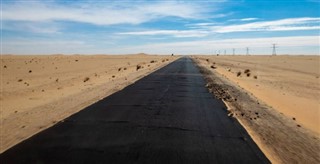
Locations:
(274, 49)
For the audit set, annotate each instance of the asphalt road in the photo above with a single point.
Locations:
(166, 117)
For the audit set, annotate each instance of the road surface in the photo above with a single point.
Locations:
(166, 117)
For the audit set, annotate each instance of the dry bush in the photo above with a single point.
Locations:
(138, 67)
(247, 71)
(213, 67)
(238, 73)
(86, 79)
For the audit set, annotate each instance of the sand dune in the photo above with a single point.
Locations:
(39, 91)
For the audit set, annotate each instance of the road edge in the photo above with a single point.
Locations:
(239, 105)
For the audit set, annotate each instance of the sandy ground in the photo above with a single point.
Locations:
(289, 84)
(39, 91)
(276, 100)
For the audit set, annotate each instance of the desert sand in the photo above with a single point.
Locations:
(276, 98)
(289, 84)
(37, 91)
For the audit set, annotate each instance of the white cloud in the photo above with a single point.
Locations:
(243, 20)
(103, 13)
(34, 27)
(277, 25)
(25, 46)
(175, 33)
(205, 29)
(287, 45)
(257, 46)
(248, 19)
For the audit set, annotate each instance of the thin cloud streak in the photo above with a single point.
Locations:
(248, 19)
(174, 33)
(208, 46)
(205, 29)
(102, 14)
(277, 25)
(34, 27)
(243, 19)
(257, 46)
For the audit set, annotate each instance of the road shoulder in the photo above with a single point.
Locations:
(279, 137)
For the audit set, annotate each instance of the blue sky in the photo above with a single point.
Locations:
(159, 27)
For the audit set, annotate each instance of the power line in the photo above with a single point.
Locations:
(274, 49)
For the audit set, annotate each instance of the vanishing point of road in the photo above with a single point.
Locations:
(166, 117)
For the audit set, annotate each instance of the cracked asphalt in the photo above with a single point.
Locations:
(166, 117)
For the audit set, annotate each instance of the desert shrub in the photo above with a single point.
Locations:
(138, 67)
(247, 71)
(86, 79)
(238, 73)
(213, 67)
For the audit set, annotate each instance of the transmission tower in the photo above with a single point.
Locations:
(247, 50)
(225, 52)
(274, 49)
(233, 51)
